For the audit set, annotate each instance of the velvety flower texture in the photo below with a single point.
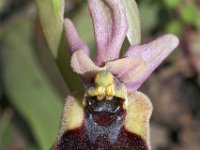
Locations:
(110, 29)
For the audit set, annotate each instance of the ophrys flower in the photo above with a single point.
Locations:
(110, 114)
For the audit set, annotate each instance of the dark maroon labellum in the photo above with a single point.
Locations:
(102, 129)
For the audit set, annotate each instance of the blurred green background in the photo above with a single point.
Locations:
(35, 79)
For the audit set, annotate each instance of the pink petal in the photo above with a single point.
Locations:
(83, 65)
(110, 26)
(128, 69)
(153, 54)
(73, 40)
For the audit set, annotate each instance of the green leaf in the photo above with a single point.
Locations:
(174, 27)
(149, 15)
(27, 86)
(58, 7)
(51, 17)
(5, 128)
(172, 3)
(133, 16)
(189, 13)
(1, 92)
(197, 24)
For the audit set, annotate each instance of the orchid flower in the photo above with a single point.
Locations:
(139, 61)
